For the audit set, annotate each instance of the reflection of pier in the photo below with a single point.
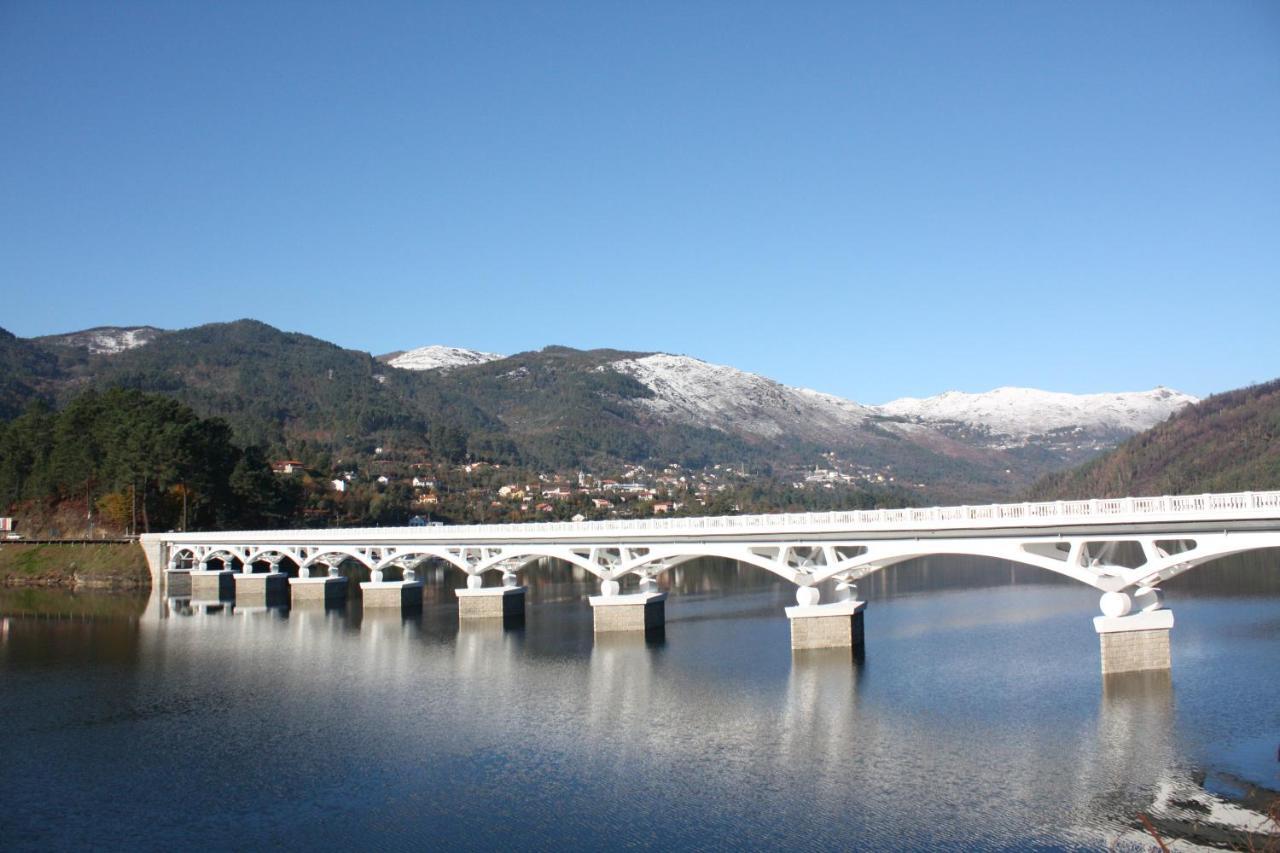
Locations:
(1122, 547)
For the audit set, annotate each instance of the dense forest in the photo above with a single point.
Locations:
(140, 462)
(1228, 442)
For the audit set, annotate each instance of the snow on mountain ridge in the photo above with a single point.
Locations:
(715, 395)
(106, 340)
(1028, 411)
(705, 394)
(436, 357)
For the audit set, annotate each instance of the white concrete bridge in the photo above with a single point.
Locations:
(1124, 547)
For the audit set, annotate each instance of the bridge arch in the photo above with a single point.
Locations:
(324, 555)
(274, 552)
(520, 556)
(225, 555)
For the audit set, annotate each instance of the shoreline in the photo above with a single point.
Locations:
(73, 566)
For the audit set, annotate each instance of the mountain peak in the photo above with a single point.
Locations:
(438, 357)
(704, 394)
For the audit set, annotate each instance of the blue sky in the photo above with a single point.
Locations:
(873, 200)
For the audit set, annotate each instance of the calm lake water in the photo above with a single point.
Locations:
(977, 721)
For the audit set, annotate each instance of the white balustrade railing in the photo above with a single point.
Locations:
(1242, 505)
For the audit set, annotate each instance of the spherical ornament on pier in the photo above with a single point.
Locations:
(509, 579)
(808, 596)
(610, 587)
(474, 582)
(1115, 604)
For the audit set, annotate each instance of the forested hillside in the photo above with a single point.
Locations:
(26, 372)
(138, 462)
(1228, 442)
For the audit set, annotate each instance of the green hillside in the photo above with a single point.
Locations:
(27, 372)
(1227, 443)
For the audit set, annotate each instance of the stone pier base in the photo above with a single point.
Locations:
(827, 626)
(642, 611)
(406, 595)
(494, 602)
(261, 589)
(1134, 643)
(177, 583)
(321, 590)
(212, 586)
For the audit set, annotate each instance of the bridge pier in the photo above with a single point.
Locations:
(828, 626)
(645, 610)
(491, 602)
(208, 585)
(379, 594)
(1135, 643)
(261, 589)
(327, 589)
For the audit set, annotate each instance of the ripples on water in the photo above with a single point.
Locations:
(978, 720)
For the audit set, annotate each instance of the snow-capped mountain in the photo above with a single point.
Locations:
(696, 392)
(106, 340)
(436, 357)
(1024, 412)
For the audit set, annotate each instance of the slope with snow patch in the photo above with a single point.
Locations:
(696, 392)
(436, 357)
(105, 340)
(1024, 412)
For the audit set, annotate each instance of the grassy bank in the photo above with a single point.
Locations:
(108, 566)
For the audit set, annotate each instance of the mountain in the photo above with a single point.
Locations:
(697, 393)
(281, 388)
(436, 357)
(1225, 443)
(559, 409)
(104, 340)
(1018, 414)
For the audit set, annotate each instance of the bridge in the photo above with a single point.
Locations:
(1123, 547)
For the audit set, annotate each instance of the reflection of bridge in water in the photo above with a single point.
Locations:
(1123, 547)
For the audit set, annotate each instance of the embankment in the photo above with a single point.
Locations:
(111, 565)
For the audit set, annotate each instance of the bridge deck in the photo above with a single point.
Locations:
(1242, 510)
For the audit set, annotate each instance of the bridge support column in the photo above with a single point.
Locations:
(380, 594)
(827, 626)
(492, 602)
(329, 589)
(261, 589)
(640, 611)
(209, 585)
(1134, 643)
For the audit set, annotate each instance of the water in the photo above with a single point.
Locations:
(978, 721)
